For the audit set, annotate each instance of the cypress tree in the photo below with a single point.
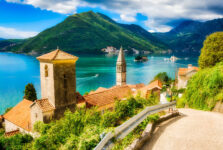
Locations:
(30, 92)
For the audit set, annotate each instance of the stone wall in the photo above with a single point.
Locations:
(47, 83)
(218, 107)
(64, 84)
(36, 114)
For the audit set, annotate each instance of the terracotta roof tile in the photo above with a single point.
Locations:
(11, 133)
(100, 89)
(152, 85)
(57, 55)
(108, 96)
(184, 71)
(20, 115)
(44, 105)
(136, 86)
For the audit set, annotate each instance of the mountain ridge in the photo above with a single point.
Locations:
(189, 35)
(89, 32)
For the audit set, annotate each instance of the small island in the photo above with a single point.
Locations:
(141, 58)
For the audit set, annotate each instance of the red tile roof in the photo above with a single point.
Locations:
(184, 71)
(152, 85)
(108, 96)
(44, 105)
(136, 86)
(100, 89)
(20, 115)
(11, 133)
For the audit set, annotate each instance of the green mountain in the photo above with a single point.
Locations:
(189, 35)
(8, 44)
(89, 32)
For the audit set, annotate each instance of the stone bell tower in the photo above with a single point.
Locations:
(58, 80)
(121, 68)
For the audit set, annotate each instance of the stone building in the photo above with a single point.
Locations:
(184, 74)
(58, 90)
(121, 68)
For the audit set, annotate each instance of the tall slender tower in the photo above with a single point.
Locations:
(121, 68)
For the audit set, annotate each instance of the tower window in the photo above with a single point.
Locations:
(65, 81)
(65, 86)
(46, 71)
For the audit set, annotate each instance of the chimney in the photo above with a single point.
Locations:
(189, 66)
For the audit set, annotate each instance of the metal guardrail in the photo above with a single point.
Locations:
(121, 131)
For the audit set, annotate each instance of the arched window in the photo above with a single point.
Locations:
(46, 71)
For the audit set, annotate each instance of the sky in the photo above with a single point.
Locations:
(26, 18)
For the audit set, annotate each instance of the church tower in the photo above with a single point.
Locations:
(58, 80)
(121, 68)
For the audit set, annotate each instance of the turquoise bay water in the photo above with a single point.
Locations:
(17, 70)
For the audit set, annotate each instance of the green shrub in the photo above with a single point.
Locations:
(163, 77)
(212, 51)
(204, 89)
(109, 119)
(17, 141)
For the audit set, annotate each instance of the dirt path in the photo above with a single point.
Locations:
(194, 130)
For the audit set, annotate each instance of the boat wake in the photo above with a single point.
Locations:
(88, 77)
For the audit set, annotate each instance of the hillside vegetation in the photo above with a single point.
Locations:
(89, 32)
(205, 88)
(212, 51)
(79, 130)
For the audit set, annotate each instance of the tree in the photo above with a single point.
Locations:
(30, 92)
(163, 77)
(212, 51)
(8, 109)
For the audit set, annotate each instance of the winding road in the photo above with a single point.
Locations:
(193, 130)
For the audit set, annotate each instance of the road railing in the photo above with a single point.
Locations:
(124, 129)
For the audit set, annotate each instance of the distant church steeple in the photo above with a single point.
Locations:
(121, 68)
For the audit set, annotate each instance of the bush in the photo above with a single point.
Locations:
(17, 141)
(204, 89)
(109, 119)
(212, 51)
(163, 77)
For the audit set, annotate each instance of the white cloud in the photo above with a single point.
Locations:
(160, 11)
(11, 33)
(127, 18)
(156, 27)
(59, 6)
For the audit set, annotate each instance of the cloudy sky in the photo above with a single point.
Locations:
(26, 18)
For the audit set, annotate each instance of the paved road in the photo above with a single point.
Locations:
(194, 130)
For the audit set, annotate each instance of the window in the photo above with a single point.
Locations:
(65, 81)
(65, 86)
(46, 71)
(36, 115)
